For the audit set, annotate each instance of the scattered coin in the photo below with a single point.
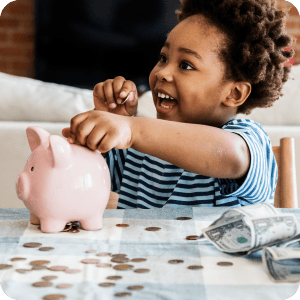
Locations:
(224, 263)
(103, 254)
(58, 268)
(42, 284)
(114, 277)
(195, 267)
(72, 271)
(122, 225)
(4, 266)
(37, 268)
(175, 261)
(54, 297)
(90, 261)
(141, 270)
(17, 258)
(67, 228)
(22, 271)
(46, 248)
(32, 245)
(74, 231)
(106, 284)
(135, 287)
(103, 265)
(120, 260)
(90, 251)
(39, 262)
(184, 218)
(119, 255)
(192, 237)
(49, 278)
(123, 267)
(138, 259)
(153, 228)
(64, 286)
(123, 294)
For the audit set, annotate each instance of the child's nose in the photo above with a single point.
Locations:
(165, 74)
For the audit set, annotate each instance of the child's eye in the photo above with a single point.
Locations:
(162, 58)
(184, 65)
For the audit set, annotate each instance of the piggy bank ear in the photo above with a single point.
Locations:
(61, 152)
(36, 136)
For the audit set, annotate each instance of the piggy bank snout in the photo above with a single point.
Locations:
(22, 186)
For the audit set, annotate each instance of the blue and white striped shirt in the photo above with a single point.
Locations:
(144, 181)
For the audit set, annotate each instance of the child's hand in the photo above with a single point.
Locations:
(109, 95)
(100, 130)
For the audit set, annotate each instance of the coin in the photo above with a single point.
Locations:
(64, 285)
(67, 228)
(119, 255)
(49, 278)
(32, 245)
(103, 254)
(114, 277)
(192, 237)
(106, 284)
(123, 294)
(4, 266)
(135, 287)
(17, 258)
(195, 267)
(46, 248)
(42, 284)
(224, 263)
(90, 261)
(54, 297)
(36, 268)
(103, 265)
(175, 261)
(141, 270)
(39, 262)
(123, 267)
(74, 231)
(184, 218)
(72, 271)
(153, 228)
(122, 225)
(58, 268)
(138, 259)
(22, 271)
(120, 260)
(90, 251)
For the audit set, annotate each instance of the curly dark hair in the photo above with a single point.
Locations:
(254, 46)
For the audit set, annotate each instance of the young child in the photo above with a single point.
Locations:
(224, 57)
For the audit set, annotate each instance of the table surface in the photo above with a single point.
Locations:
(245, 279)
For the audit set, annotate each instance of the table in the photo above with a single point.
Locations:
(245, 279)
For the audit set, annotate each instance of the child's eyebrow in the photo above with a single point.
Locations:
(185, 50)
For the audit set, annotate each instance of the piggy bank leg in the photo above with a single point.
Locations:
(52, 225)
(93, 223)
(34, 219)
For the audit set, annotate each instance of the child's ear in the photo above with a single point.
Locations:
(239, 93)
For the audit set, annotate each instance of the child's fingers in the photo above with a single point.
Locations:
(99, 97)
(109, 94)
(66, 132)
(128, 87)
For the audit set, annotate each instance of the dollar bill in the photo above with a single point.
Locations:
(282, 263)
(250, 228)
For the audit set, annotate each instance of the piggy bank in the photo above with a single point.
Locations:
(63, 182)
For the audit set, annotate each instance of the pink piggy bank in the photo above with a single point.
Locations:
(63, 182)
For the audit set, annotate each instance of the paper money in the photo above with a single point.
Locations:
(250, 228)
(282, 263)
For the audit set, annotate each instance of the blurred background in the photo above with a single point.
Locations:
(83, 42)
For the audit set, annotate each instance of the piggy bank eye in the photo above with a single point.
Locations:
(32, 168)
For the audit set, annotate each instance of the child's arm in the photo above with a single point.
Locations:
(199, 149)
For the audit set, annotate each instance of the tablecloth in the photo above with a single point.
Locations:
(245, 278)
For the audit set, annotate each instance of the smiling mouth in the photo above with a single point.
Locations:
(166, 101)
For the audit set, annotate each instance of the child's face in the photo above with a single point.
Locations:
(190, 71)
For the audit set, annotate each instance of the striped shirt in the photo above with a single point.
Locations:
(144, 181)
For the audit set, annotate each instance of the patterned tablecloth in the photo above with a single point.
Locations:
(244, 279)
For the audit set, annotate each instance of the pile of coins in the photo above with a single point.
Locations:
(71, 227)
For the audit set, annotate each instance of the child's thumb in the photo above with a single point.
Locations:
(66, 132)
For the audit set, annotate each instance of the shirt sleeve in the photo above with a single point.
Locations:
(115, 160)
(261, 178)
